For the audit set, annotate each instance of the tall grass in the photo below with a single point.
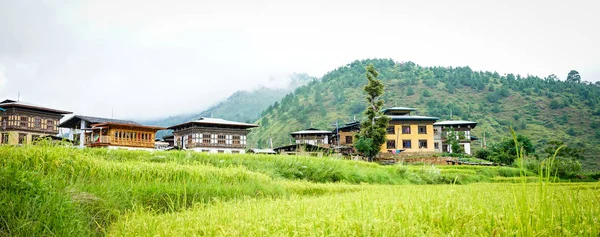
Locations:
(56, 190)
(406, 210)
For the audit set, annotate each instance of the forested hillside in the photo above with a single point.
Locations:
(543, 109)
(243, 106)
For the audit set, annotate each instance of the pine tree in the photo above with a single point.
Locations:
(373, 129)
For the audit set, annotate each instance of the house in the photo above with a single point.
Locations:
(90, 131)
(305, 149)
(459, 128)
(344, 135)
(212, 135)
(313, 136)
(24, 122)
(405, 132)
(169, 139)
(408, 133)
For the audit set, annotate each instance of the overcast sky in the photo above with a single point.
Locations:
(148, 59)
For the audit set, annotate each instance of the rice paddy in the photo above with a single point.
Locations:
(52, 190)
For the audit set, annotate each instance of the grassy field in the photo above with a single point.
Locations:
(61, 191)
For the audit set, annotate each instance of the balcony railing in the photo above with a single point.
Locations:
(108, 140)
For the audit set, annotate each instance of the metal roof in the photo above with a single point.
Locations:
(21, 104)
(411, 117)
(454, 122)
(385, 111)
(76, 120)
(312, 131)
(216, 121)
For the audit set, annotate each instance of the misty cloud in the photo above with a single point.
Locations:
(148, 59)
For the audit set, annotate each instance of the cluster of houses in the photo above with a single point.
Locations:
(23, 123)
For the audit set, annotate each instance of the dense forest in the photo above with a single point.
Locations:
(544, 110)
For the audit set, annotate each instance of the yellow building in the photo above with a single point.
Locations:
(405, 133)
(22, 123)
(408, 133)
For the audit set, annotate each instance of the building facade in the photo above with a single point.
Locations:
(405, 132)
(22, 123)
(212, 135)
(313, 136)
(87, 131)
(408, 133)
(459, 128)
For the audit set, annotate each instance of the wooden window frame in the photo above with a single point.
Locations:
(426, 143)
(424, 129)
(391, 144)
(409, 144)
(404, 129)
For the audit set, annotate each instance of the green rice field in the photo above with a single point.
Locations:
(50, 190)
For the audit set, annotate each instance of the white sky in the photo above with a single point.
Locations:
(148, 59)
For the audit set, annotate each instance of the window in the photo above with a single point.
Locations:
(436, 145)
(436, 131)
(422, 143)
(235, 152)
(406, 144)
(4, 122)
(50, 125)
(206, 138)
(236, 139)
(220, 151)
(391, 144)
(422, 130)
(37, 123)
(24, 122)
(243, 140)
(348, 139)
(4, 138)
(22, 138)
(391, 130)
(221, 139)
(34, 137)
(405, 129)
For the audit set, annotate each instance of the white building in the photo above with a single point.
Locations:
(461, 129)
(212, 135)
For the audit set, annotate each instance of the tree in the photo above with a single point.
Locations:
(373, 129)
(574, 76)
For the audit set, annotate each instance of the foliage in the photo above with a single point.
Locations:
(574, 77)
(51, 189)
(373, 128)
(506, 151)
(528, 96)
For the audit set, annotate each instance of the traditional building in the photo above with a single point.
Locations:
(405, 132)
(345, 134)
(23, 122)
(459, 128)
(408, 133)
(111, 133)
(313, 136)
(212, 135)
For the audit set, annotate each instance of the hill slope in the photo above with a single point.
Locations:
(542, 109)
(243, 106)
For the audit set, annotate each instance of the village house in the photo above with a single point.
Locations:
(459, 128)
(408, 133)
(90, 131)
(23, 123)
(313, 136)
(405, 132)
(344, 135)
(212, 135)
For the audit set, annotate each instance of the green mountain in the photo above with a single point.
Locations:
(543, 109)
(243, 106)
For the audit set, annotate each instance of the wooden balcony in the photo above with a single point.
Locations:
(100, 141)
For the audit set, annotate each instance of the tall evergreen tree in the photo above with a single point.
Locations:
(574, 76)
(373, 129)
